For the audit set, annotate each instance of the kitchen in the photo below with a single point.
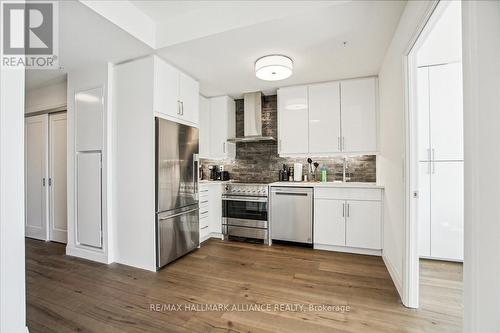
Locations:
(189, 184)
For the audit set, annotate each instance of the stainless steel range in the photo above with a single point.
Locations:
(245, 211)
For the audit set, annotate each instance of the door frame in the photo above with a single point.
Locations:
(411, 271)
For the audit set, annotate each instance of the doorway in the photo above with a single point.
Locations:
(45, 176)
(436, 162)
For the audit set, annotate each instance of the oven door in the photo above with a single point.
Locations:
(245, 211)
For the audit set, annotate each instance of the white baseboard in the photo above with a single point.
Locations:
(211, 235)
(87, 254)
(395, 276)
(346, 249)
(217, 235)
(441, 259)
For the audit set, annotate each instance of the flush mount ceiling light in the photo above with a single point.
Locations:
(273, 67)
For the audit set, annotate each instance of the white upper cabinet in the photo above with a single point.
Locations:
(293, 120)
(204, 126)
(189, 98)
(175, 94)
(446, 112)
(324, 118)
(328, 118)
(222, 127)
(359, 115)
(166, 94)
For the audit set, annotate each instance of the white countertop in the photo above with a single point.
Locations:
(213, 182)
(327, 184)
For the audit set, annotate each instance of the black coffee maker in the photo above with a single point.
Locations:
(214, 172)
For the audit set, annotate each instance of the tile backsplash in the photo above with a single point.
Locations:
(259, 161)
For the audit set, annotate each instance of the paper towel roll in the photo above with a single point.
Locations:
(297, 172)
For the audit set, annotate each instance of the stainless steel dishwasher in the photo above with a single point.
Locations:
(292, 214)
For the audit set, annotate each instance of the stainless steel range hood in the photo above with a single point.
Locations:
(252, 119)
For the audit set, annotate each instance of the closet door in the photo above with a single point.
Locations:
(57, 178)
(446, 112)
(423, 121)
(36, 180)
(447, 210)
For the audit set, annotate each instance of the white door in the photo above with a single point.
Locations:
(424, 209)
(36, 177)
(423, 121)
(189, 90)
(88, 201)
(166, 94)
(446, 112)
(359, 115)
(324, 118)
(204, 126)
(329, 222)
(447, 210)
(363, 224)
(57, 178)
(293, 120)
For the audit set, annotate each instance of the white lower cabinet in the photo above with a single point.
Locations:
(363, 224)
(329, 222)
(348, 219)
(210, 200)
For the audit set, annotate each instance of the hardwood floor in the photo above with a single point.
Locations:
(66, 294)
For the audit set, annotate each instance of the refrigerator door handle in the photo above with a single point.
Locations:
(195, 174)
(178, 214)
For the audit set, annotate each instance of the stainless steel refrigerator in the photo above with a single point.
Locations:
(177, 211)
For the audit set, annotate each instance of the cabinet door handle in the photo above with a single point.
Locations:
(43, 182)
(224, 147)
(343, 209)
(343, 148)
(50, 181)
(348, 210)
(178, 107)
(182, 108)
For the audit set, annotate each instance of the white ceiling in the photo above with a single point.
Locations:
(313, 38)
(217, 42)
(180, 21)
(86, 39)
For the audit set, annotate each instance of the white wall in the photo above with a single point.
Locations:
(392, 138)
(481, 67)
(12, 278)
(77, 81)
(48, 96)
(444, 42)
